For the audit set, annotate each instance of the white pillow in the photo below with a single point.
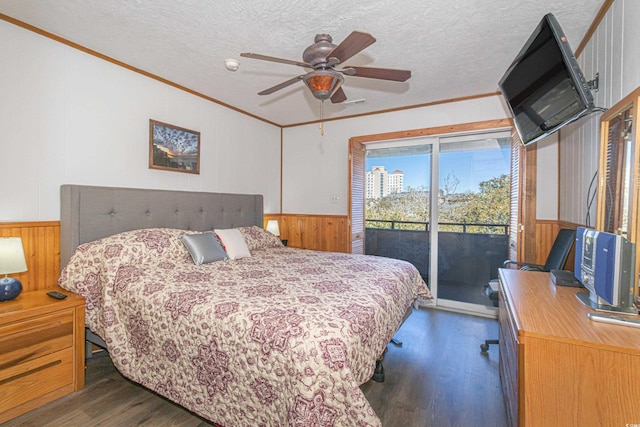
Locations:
(233, 243)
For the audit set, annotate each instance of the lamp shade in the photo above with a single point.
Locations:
(12, 255)
(323, 83)
(272, 227)
(11, 261)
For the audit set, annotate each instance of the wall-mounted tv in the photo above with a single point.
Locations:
(544, 86)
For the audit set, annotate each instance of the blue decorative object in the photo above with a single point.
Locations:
(11, 261)
(9, 288)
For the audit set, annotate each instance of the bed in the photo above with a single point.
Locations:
(281, 337)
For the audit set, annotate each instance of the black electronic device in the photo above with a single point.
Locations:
(56, 295)
(564, 278)
(544, 86)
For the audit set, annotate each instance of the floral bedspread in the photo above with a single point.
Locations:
(282, 338)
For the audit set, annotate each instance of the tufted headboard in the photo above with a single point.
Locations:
(88, 213)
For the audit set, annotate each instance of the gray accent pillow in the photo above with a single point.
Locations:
(204, 248)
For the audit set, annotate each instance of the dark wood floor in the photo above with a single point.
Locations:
(437, 378)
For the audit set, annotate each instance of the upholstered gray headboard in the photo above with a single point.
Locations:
(88, 213)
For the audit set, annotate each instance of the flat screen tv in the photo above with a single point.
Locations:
(544, 86)
(604, 264)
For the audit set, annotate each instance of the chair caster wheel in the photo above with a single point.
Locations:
(484, 348)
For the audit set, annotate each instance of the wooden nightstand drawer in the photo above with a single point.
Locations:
(41, 350)
(33, 338)
(29, 380)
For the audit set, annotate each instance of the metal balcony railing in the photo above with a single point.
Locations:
(459, 227)
(469, 254)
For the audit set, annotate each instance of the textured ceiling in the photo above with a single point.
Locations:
(453, 48)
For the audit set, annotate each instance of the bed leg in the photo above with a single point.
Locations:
(378, 373)
(90, 340)
(88, 349)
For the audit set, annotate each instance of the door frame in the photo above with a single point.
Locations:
(357, 153)
(440, 131)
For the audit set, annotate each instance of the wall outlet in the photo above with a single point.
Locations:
(334, 199)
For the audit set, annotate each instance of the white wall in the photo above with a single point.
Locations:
(547, 178)
(614, 52)
(316, 167)
(70, 118)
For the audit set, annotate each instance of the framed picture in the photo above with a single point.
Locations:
(173, 148)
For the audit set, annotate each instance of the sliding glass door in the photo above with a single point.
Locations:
(442, 203)
(473, 216)
(398, 202)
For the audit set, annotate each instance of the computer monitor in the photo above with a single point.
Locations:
(604, 264)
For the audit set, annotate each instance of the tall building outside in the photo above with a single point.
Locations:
(381, 183)
(395, 182)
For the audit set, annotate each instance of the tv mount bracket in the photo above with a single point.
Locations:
(593, 84)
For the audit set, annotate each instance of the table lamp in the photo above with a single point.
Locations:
(11, 261)
(272, 227)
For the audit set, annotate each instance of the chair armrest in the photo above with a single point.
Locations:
(523, 264)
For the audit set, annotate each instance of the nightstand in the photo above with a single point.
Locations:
(41, 350)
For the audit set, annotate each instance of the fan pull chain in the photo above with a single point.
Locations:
(321, 125)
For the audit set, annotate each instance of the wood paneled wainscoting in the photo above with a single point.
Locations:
(41, 242)
(317, 232)
(330, 233)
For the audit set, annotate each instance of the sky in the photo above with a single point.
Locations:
(469, 167)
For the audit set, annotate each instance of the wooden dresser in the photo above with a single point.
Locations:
(41, 350)
(557, 367)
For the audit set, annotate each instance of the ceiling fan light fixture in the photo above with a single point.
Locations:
(323, 83)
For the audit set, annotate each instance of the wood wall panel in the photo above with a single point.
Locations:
(546, 232)
(527, 202)
(330, 233)
(317, 232)
(41, 242)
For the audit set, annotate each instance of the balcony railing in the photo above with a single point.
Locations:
(461, 227)
(469, 254)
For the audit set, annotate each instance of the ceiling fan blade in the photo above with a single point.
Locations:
(281, 85)
(354, 43)
(381, 73)
(338, 97)
(274, 59)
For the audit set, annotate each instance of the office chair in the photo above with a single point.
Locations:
(556, 260)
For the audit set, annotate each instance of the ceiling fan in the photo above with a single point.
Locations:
(325, 81)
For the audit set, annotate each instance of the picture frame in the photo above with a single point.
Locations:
(173, 148)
